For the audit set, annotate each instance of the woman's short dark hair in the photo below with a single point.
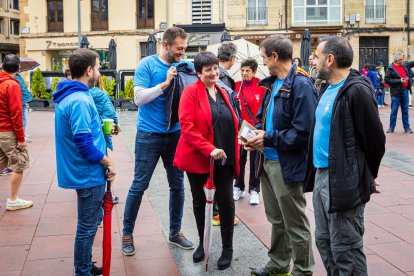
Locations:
(11, 63)
(204, 59)
(340, 48)
(278, 44)
(172, 33)
(252, 63)
(80, 60)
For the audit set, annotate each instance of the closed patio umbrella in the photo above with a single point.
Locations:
(305, 48)
(225, 36)
(151, 45)
(84, 42)
(112, 54)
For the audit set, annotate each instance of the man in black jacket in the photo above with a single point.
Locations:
(398, 77)
(345, 150)
(227, 56)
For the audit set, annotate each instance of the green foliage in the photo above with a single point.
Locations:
(109, 86)
(54, 83)
(129, 90)
(39, 86)
(55, 67)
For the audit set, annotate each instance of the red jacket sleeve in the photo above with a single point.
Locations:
(189, 131)
(14, 97)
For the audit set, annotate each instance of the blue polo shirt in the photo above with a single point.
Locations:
(271, 152)
(321, 134)
(150, 72)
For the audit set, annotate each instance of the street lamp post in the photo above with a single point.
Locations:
(79, 24)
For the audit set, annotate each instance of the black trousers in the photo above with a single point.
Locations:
(223, 179)
(254, 183)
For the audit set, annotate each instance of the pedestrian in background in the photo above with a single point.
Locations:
(250, 95)
(284, 123)
(398, 77)
(80, 152)
(26, 97)
(13, 148)
(154, 139)
(209, 130)
(345, 150)
(374, 78)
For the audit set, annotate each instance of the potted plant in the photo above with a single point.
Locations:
(40, 95)
(54, 86)
(109, 86)
(126, 97)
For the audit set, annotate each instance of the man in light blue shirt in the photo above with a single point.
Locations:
(156, 138)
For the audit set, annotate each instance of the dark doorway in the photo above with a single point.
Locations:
(373, 49)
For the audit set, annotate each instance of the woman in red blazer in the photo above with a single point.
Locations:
(209, 129)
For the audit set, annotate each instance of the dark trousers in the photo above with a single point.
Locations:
(223, 179)
(254, 183)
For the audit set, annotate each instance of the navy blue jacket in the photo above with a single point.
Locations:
(294, 109)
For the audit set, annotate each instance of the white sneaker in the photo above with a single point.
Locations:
(237, 193)
(254, 198)
(18, 204)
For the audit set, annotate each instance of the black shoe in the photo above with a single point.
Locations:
(198, 255)
(264, 271)
(179, 240)
(225, 259)
(96, 270)
(408, 130)
(390, 130)
(128, 248)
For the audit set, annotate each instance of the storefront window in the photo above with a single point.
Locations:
(103, 58)
(316, 12)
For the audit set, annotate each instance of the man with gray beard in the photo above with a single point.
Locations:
(345, 150)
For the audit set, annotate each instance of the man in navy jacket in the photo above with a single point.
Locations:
(284, 120)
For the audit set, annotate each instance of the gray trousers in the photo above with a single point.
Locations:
(285, 208)
(338, 236)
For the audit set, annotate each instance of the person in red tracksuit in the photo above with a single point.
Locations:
(250, 96)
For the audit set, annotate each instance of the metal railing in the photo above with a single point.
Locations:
(256, 15)
(375, 13)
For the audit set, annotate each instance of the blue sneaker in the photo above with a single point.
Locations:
(6, 171)
(128, 248)
(179, 240)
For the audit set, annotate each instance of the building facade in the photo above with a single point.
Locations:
(51, 27)
(9, 27)
(376, 29)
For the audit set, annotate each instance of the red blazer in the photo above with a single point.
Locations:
(197, 136)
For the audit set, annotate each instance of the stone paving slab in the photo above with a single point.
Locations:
(39, 240)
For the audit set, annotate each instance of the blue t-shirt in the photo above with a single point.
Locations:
(77, 114)
(323, 115)
(270, 152)
(150, 72)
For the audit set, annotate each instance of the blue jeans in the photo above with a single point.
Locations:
(379, 95)
(395, 103)
(149, 147)
(24, 110)
(89, 213)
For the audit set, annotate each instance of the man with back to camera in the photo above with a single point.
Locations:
(345, 150)
(154, 139)
(80, 152)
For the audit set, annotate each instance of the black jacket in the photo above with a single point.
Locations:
(394, 80)
(294, 107)
(357, 145)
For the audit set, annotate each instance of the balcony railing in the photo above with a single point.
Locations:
(375, 13)
(256, 15)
